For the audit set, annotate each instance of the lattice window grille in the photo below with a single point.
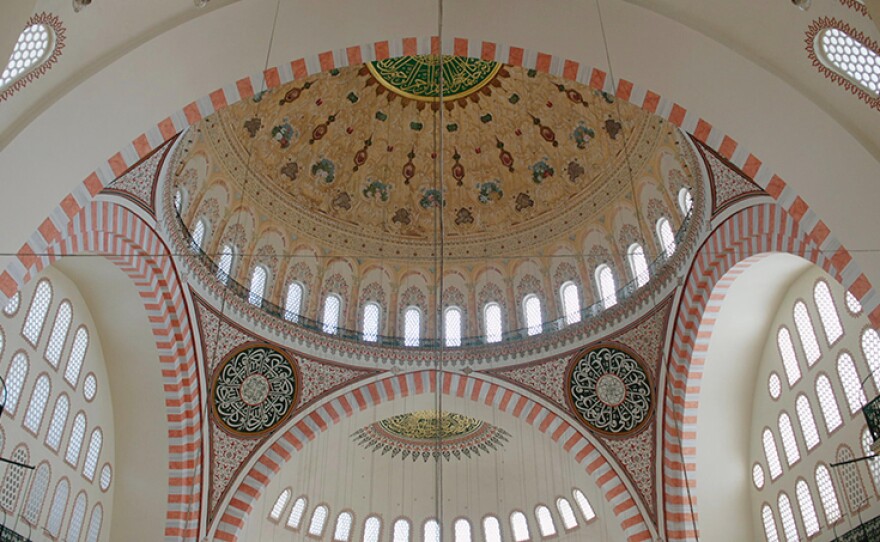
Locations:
(807, 422)
(827, 312)
(807, 333)
(828, 403)
(58, 337)
(532, 310)
(452, 326)
(59, 420)
(77, 356)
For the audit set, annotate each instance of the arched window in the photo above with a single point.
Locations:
(11, 306)
(342, 531)
(224, 265)
(412, 326)
(571, 303)
(685, 200)
(545, 521)
(462, 530)
(789, 444)
(852, 480)
(569, 521)
(12, 480)
(492, 322)
(35, 45)
(95, 524)
(33, 417)
(827, 494)
(36, 315)
(280, 504)
(606, 286)
(789, 360)
(373, 528)
(59, 333)
(90, 386)
(77, 356)
(873, 464)
(519, 526)
(804, 325)
(59, 420)
(106, 477)
(37, 494)
(532, 313)
(15, 377)
(431, 531)
(772, 454)
(293, 302)
(257, 290)
(787, 517)
(319, 519)
(827, 312)
(769, 524)
(807, 422)
(828, 403)
(850, 58)
(198, 236)
(666, 237)
(77, 517)
(371, 322)
(871, 351)
(849, 379)
(584, 505)
(491, 529)
(852, 303)
(77, 434)
(93, 454)
(452, 326)
(401, 530)
(332, 308)
(178, 200)
(758, 475)
(774, 385)
(808, 510)
(59, 505)
(296, 513)
(638, 264)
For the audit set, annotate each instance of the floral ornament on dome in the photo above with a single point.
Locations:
(610, 390)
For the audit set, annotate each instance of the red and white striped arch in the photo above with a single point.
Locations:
(251, 486)
(133, 246)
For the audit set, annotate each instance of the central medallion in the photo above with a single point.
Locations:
(418, 76)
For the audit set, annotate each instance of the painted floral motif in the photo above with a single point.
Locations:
(431, 197)
(342, 201)
(253, 126)
(290, 170)
(401, 216)
(582, 135)
(464, 216)
(524, 201)
(541, 170)
(324, 170)
(574, 170)
(612, 127)
(376, 188)
(284, 133)
(490, 191)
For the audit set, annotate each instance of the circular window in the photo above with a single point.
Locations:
(106, 476)
(758, 476)
(774, 385)
(90, 387)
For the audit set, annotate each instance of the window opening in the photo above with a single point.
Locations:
(15, 377)
(37, 494)
(805, 329)
(828, 403)
(789, 360)
(785, 514)
(332, 306)
(789, 444)
(871, 351)
(545, 521)
(462, 530)
(607, 289)
(412, 326)
(569, 521)
(873, 464)
(93, 454)
(452, 326)
(59, 420)
(769, 524)
(77, 434)
(492, 315)
(77, 356)
(371, 322)
(90, 386)
(827, 312)
(33, 418)
(95, 523)
(12, 480)
(319, 519)
(373, 528)
(342, 531)
(198, 236)
(59, 505)
(519, 526)
(638, 264)
(280, 504)
(772, 454)
(224, 266)
(296, 513)
(178, 200)
(106, 477)
(571, 303)
(667, 238)
(431, 531)
(849, 379)
(827, 494)
(491, 529)
(808, 510)
(11, 306)
(758, 475)
(852, 480)
(807, 422)
(60, 329)
(584, 505)
(33, 48)
(852, 303)
(685, 201)
(401, 530)
(36, 315)
(74, 528)
(293, 302)
(774, 386)
(532, 310)
(258, 286)
(850, 58)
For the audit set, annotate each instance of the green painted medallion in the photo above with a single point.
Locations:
(418, 77)
(426, 425)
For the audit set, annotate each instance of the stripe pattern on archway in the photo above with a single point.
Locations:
(251, 487)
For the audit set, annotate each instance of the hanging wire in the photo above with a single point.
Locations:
(439, 233)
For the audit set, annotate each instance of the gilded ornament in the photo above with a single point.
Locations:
(418, 77)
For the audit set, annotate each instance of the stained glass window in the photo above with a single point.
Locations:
(373, 528)
(37, 494)
(852, 303)
(774, 386)
(431, 531)
(852, 480)
(758, 475)
(11, 306)
(198, 235)
(95, 524)
(871, 351)
(12, 480)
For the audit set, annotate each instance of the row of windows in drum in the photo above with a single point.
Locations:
(453, 317)
(520, 531)
(36, 496)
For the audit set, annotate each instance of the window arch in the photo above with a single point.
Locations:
(807, 421)
(852, 480)
(772, 454)
(373, 529)
(532, 314)
(371, 321)
(257, 289)
(93, 454)
(15, 377)
(224, 264)
(293, 302)
(871, 351)
(59, 505)
(12, 480)
(571, 303)
(807, 509)
(431, 531)
(769, 524)
(605, 284)
(492, 322)
(77, 356)
(59, 420)
(491, 529)
(401, 530)
(294, 520)
(198, 236)
(545, 521)
(853, 304)
(786, 516)
(332, 310)
(58, 337)
(638, 264)
(280, 505)
(36, 315)
(873, 464)
(37, 494)
(452, 326)
(789, 359)
(95, 523)
(37, 48)
(412, 326)
(685, 200)
(827, 494)
(828, 403)
(849, 379)
(789, 444)
(850, 58)
(519, 526)
(666, 236)
(827, 312)
(807, 333)
(342, 530)
(569, 521)
(584, 505)
(462, 530)
(77, 434)
(758, 475)
(33, 417)
(77, 517)
(319, 520)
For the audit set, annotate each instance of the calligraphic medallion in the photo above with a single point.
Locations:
(255, 388)
(418, 76)
(610, 390)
